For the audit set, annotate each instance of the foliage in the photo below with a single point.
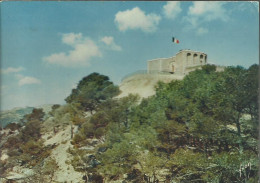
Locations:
(203, 128)
(37, 114)
(13, 126)
(92, 90)
(204, 124)
(118, 160)
(31, 130)
(49, 168)
(200, 129)
(26, 148)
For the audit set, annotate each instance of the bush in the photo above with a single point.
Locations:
(3, 167)
(100, 132)
(13, 126)
(49, 168)
(31, 131)
(95, 178)
(13, 142)
(78, 120)
(77, 139)
(209, 68)
(88, 130)
(32, 147)
(14, 152)
(33, 152)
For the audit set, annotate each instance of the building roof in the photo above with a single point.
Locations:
(188, 50)
(156, 59)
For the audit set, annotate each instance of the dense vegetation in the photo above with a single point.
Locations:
(203, 128)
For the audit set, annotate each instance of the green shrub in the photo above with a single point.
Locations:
(88, 130)
(13, 126)
(32, 147)
(13, 142)
(100, 132)
(77, 139)
(31, 131)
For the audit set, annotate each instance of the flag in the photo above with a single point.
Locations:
(175, 40)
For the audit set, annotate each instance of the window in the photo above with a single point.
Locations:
(195, 59)
(201, 59)
(189, 58)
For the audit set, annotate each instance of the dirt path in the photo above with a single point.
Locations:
(66, 172)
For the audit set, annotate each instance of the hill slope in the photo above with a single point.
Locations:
(143, 84)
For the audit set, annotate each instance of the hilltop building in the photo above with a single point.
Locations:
(184, 62)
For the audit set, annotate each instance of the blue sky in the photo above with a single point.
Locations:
(47, 47)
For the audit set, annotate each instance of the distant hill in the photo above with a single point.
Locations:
(14, 115)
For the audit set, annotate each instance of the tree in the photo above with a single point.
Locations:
(200, 129)
(188, 166)
(36, 114)
(118, 160)
(92, 90)
(32, 130)
(151, 165)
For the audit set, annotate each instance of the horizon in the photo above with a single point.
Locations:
(48, 47)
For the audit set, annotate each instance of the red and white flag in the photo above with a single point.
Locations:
(175, 40)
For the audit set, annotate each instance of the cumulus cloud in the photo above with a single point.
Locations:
(208, 10)
(109, 41)
(172, 9)
(11, 70)
(137, 19)
(201, 12)
(248, 6)
(83, 49)
(27, 80)
(71, 38)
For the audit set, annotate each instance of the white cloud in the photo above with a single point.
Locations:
(109, 41)
(172, 9)
(27, 80)
(247, 6)
(83, 49)
(208, 11)
(11, 70)
(137, 19)
(202, 30)
(202, 12)
(71, 38)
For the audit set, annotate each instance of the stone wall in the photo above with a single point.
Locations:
(184, 62)
(159, 65)
(166, 64)
(153, 66)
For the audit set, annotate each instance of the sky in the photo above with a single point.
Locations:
(48, 47)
